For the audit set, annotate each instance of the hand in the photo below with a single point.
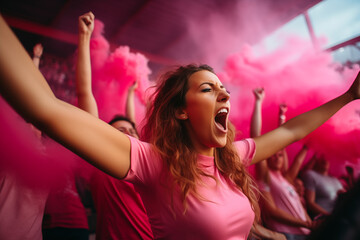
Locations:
(278, 236)
(354, 90)
(259, 94)
(317, 223)
(283, 108)
(133, 87)
(86, 23)
(308, 224)
(38, 50)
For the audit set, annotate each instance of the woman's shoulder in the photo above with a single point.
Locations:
(246, 149)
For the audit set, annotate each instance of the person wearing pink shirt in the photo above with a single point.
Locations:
(188, 170)
(282, 208)
(22, 202)
(120, 212)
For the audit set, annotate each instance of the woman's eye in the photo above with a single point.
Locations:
(206, 90)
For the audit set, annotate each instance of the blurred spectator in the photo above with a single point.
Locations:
(282, 209)
(321, 189)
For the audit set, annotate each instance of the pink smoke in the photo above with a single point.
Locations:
(113, 74)
(302, 78)
(36, 162)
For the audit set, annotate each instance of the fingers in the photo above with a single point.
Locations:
(38, 49)
(87, 18)
(259, 93)
(259, 90)
(135, 85)
(283, 107)
(86, 23)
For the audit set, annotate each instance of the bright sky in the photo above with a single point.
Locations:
(336, 20)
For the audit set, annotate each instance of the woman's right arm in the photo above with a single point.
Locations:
(25, 89)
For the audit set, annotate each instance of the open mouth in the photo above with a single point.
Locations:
(220, 118)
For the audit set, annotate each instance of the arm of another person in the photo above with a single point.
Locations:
(261, 170)
(282, 119)
(130, 105)
(26, 90)
(264, 233)
(37, 53)
(278, 214)
(309, 165)
(86, 99)
(294, 169)
(303, 124)
(312, 205)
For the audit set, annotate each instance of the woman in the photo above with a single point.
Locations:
(187, 128)
(282, 209)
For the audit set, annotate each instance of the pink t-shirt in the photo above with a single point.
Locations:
(286, 198)
(21, 209)
(120, 212)
(221, 212)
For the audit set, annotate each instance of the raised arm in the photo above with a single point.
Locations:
(130, 105)
(86, 99)
(37, 53)
(29, 94)
(309, 165)
(298, 127)
(282, 119)
(256, 118)
(261, 170)
(282, 113)
(294, 169)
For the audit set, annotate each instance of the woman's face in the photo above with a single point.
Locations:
(276, 161)
(125, 127)
(206, 112)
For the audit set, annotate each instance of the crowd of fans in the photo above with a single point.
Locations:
(296, 200)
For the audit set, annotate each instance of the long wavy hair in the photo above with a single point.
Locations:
(171, 140)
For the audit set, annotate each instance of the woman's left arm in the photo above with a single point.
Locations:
(300, 126)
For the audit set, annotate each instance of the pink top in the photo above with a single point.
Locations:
(223, 212)
(21, 209)
(120, 212)
(287, 199)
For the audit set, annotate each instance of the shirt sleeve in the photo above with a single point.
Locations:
(246, 149)
(145, 165)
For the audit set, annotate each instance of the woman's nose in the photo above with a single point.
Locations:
(223, 96)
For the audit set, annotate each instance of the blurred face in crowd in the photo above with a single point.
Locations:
(125, 127)
(276, 161)
(322, 165)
